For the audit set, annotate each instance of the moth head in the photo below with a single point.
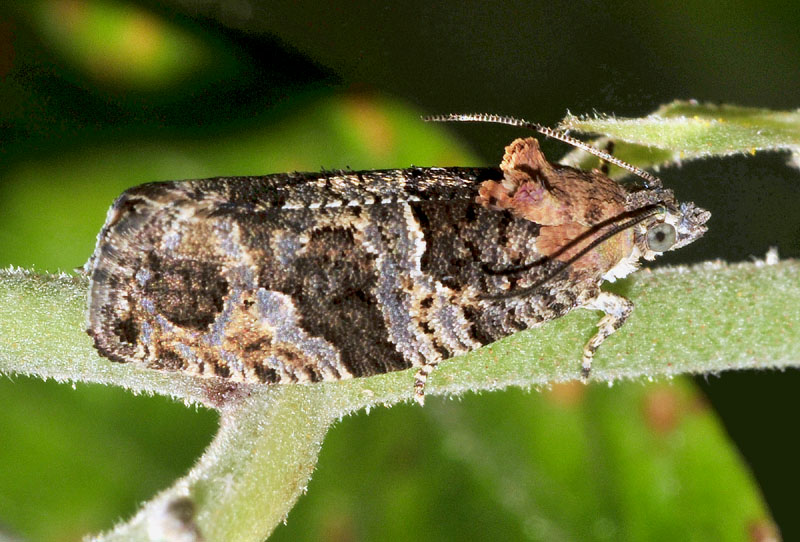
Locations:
(659, 222)
(674, 225)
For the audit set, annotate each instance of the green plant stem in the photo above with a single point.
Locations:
(706, 318)
(252, 473)
(702, 319)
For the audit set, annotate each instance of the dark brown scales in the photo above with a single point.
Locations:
(305, 277)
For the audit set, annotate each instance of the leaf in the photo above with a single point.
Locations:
(572, 462)
(683, 131)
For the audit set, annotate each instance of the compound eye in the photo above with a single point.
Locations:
(660, 237)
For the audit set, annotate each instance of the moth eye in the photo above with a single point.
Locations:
(660, 237)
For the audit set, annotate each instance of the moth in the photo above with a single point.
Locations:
(307, 277)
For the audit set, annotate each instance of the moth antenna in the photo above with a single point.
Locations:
(652, 180)
(644, 214)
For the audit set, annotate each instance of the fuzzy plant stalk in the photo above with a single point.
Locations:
(700, 319)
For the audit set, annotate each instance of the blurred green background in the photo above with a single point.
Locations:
(99, 95)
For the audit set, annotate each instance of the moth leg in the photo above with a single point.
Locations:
(420, 378)
(610, 150)
(617, 309)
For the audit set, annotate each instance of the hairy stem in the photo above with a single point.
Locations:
(705, 318)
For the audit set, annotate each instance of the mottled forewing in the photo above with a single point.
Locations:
(304, 277)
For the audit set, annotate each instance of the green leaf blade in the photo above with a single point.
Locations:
(684, 130)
